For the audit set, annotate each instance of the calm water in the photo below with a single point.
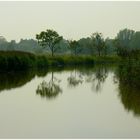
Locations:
(76, 103)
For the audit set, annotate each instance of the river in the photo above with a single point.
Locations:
(79, 102)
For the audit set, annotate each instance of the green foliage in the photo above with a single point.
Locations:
(122, 42)
(49, 38)
(106, 59)
(16, 60)
(42, 61)
(135, 42)
(70, 60)
(74, 47)
(98, 42)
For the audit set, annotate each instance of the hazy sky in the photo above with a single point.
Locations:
(70, 19)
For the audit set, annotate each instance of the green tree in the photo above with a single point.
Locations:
(135, 41)
(98, 42)
(125, 36)
(74, 46)
(49, 38)
(86, 46)
(109, 46)
(122, 42)
(12, 45)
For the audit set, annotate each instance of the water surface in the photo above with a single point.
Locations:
(70, 103)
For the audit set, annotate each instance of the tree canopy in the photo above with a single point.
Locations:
(49, 38)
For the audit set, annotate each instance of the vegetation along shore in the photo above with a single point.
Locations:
(50, 49)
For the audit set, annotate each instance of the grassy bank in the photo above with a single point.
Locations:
(16, 60)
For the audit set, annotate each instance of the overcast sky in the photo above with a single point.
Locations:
(72, 20)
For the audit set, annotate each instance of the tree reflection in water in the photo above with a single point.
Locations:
(74, 79)
(11, 80)
(130, 98)
(97, 77)
(128, 86)
(49, 90)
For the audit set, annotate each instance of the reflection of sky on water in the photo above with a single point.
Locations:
(79, 112)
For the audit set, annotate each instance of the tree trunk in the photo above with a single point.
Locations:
(75, 51)
(52, 52)
(99, 53)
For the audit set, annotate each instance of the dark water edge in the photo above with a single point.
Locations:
(18, 78)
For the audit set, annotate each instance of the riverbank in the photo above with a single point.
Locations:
(16, 60)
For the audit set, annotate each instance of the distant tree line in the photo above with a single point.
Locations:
(126, 43)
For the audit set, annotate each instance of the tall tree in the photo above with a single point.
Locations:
(135, 41)
(49, 38)
(73, 46)
(98, 42)
(122, 41)
(125, 36)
